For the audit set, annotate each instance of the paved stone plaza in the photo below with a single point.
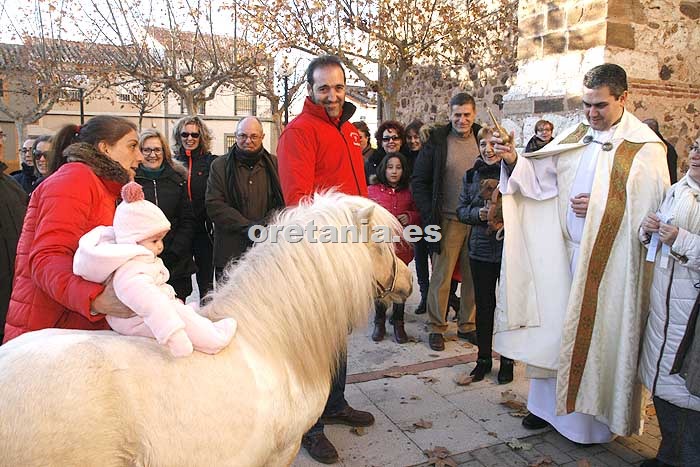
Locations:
(424, 418)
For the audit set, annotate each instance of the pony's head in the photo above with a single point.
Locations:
(313, 277)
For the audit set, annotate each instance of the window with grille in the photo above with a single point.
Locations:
(70, 94)
(229, 141)
(244, 105)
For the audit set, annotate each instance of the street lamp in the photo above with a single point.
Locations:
(286, 69)
(81, 82)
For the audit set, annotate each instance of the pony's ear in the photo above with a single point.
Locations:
(363, 214)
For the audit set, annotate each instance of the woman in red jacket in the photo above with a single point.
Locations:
(80, 194)
(393, 194)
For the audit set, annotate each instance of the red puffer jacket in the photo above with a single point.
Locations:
(397, 202)
(314, 153)
(69, 203)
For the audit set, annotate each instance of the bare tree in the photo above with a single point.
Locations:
(41, 66)
(380, 40)
(172, 45)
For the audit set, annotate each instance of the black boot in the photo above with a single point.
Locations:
(422, 306)
(505, 372)
(453, 300)
(379, 321)
(399, 332)
(482, 368)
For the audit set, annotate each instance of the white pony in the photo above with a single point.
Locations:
(81, 398)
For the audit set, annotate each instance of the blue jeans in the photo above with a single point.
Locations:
(336, 399)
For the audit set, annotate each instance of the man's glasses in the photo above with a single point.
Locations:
(391, 138)
(24, 150)
(186, 135)
(156, 151)
(693, 147)
(39, 154)
(243, 137)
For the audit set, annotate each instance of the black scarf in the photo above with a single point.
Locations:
(486, 171)
(248, 158)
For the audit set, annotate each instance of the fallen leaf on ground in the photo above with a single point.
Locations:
(651, 411)
(508, 395)
(508, 398)
(515, 444)
(546, 460)
(464, 379)
(397, 374)
(493, 433)
(423, 424)
(358, 430)
(583, 463)
(415, 398)
(429, 379)
(519, 414)
(467, 345)
(440, 452)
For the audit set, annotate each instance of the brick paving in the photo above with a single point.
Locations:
(552, 449)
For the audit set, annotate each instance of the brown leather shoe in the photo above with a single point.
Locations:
(349, 416)
(320, 448)
(400, 333)
(436, 341)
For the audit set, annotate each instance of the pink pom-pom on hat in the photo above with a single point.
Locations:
(137, 219)
(131, 192)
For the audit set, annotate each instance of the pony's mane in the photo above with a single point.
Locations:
(296, 302)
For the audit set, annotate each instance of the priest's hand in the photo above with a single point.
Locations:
(667, 233)
(107, 303)
(506, 151)
(579, 204)
(650, 224)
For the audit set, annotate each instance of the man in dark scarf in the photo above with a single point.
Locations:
(243, 190)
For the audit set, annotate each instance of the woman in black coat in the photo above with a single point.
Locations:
(164, 183)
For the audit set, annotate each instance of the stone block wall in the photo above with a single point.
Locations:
(656, 41)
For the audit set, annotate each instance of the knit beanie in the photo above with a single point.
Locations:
(137, 219)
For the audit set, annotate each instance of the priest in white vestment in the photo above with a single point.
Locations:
(571, 302)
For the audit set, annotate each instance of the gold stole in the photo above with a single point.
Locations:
(609, 227)
(578, 133)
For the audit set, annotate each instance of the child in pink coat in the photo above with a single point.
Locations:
(392, 193)
(129, 250)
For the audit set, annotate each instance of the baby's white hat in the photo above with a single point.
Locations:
(137, 219)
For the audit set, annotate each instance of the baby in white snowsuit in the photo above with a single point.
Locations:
(130, 250)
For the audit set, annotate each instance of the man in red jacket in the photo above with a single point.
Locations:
(320, 149)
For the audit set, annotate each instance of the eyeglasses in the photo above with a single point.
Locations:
(243, 137)
(186, 135)
(39, 154)
(148, 151)
(693, 147)
(547, 129)
(24, 150)
(391, 138)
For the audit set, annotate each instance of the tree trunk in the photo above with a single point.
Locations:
(276, 128)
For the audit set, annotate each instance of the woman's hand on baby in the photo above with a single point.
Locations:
(107, 303)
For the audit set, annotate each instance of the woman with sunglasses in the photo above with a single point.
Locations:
(42, 156)
(192, 148)
(390, 136)
(164, 183)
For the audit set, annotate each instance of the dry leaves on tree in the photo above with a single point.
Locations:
(439, 456)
